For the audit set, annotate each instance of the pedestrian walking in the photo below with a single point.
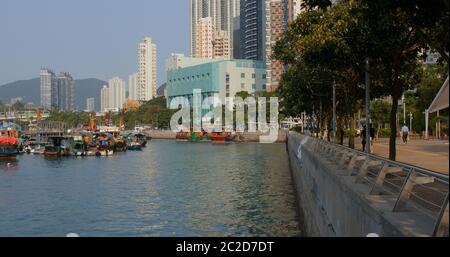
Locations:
(405, 133)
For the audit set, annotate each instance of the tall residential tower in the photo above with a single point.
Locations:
(222, 13)
(57, 91)
(146, 85)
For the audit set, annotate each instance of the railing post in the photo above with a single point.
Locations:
(441, 228)
(407, 188)
(405, 192)
(377, 188)
(365, 169)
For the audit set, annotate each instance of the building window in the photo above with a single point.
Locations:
(242, 85)
(243, 75)
(264, 87)
(253, 76)
(264, 76)
(254, 86)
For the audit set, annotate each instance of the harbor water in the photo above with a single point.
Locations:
(169, 189)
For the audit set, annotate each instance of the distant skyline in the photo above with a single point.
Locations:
(88, 38)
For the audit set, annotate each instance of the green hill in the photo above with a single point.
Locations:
(29, 90)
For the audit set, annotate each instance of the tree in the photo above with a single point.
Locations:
(338, 39)
(379, 113)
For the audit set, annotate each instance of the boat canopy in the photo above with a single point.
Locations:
(9, 140)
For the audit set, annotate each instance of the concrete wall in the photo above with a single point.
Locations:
(332, 204)
(240, 137)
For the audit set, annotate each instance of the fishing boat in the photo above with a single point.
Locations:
(9, 147)
(141, 139)
(182, 136)
(58, 146)
(133, 143)
(199, 137)
(79, 148)
(134, 146)
(105, 144)
(89, 143)
(9, 140)
(218, 137)
(120, 144)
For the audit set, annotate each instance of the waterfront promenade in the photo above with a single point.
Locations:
(429, 154)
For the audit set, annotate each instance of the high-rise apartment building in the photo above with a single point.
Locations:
(221, 45)
(210, 42)
(104, 99)
(251, 28)
(204, 38)
(132, 87)
(64, 97)
(57, 91)
(222, 13)
(292, 9)
(147, 70)
(47, 79)
(116, 87)
(90, 104)
(274, 27)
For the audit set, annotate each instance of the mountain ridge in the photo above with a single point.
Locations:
(29, 90)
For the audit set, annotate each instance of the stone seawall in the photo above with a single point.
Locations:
(333, 204)
(240, 137)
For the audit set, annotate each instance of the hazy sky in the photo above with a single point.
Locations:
(88, 38)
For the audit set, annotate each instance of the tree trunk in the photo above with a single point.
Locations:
(393, 125)
(352, 134)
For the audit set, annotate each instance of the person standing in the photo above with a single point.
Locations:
(363, 137)
(405, 133)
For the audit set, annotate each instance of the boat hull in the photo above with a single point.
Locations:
(135, 148)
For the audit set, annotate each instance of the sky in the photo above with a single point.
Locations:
(88, 38)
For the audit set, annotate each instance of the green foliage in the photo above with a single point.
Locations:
(380, 113)
(327, 44)
(154, 113)
(243, 94)
(72, 119)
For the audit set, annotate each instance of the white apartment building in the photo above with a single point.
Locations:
(133, 86)
(90, 104)
(147, 70)
(104, 99)
(210, 42)
(222, 45)
(177, 61)
(47, 77)
(222, 13)
(116, 93)
(204, 38)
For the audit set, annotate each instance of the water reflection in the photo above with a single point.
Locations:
(170, 189)
(8, 164)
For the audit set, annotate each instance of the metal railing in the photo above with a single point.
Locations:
(410, 187)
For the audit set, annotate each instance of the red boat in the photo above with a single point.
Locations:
(218, 137)
(221, 137)
(182, 136)
(9, 147)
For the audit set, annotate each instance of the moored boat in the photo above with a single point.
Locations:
(134, 146)
(58, 146)
(105, 144)
(9, 147)
(120, 145)
(182, 136)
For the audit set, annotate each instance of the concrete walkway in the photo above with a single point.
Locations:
(429, 154)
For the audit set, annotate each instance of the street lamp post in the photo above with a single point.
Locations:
(334, 112)
(367, 107)
(404, 109)
(410, 121)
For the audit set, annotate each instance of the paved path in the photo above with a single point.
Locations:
(429, 154)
